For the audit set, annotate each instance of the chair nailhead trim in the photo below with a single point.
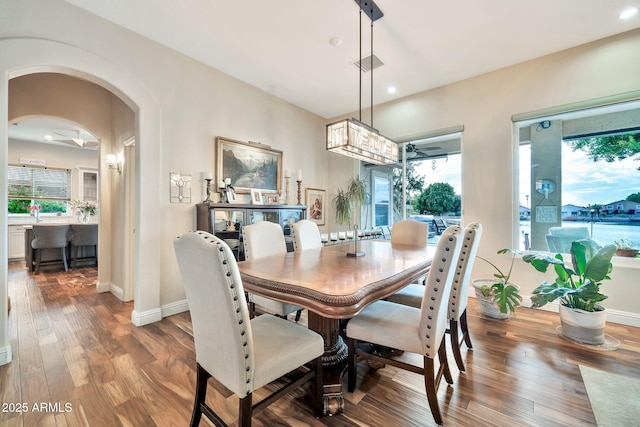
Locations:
(225, 262)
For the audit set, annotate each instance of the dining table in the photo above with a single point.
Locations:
(334, 285)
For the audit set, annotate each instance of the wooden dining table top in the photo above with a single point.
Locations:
(332, 284)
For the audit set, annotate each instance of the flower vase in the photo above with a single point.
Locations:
(85, 217)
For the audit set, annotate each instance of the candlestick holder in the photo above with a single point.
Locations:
(287, 193)
(299, 192)
(208, 199)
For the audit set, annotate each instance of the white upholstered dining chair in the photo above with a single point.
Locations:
(242, 354)
(264, 239)
(410, 329)
(409, 232)
(306, 235)
(457, 307)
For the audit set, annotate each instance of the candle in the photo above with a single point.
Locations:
(286, 173)
(299, 174)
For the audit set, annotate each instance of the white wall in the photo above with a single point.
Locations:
(485, 105)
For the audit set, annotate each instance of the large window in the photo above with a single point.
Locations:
(47, 188)
(430, 188)
(580, 177)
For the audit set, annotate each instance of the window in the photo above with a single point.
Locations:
(49, 187)
(381, 198)
(432, 183)
(570, 178)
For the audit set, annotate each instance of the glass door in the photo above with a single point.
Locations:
(382, 196)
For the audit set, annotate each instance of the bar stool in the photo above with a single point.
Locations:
(50, 237)
(83, 235)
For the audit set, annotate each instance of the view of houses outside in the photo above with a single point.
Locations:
(594, 195)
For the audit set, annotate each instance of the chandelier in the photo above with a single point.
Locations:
(353, 138)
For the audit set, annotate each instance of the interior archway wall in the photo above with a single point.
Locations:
(27, 56)
(108, 118)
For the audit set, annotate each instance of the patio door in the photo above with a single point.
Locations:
(382, 194)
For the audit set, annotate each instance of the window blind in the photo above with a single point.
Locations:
(38, 183)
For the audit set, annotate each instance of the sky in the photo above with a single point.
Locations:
(584, 182)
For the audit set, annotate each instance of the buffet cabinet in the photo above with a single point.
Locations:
(225, 220)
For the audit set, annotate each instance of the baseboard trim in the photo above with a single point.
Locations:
(103, 287)
(174, 308)
(613, 316)
(5, 355)
(110, 287)
(146, 317)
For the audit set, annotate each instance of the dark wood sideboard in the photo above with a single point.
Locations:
(226, 220)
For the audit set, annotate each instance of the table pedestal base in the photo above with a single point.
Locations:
(334, 361)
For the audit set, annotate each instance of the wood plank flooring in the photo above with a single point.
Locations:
(78, 361)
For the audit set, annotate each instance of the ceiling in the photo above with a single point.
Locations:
(285, 48)
(49, 130)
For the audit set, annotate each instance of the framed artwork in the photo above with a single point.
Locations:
(256, 197)
(230, 195)
(271, 198)
(180, 188)
(248, 165)
(316, 201)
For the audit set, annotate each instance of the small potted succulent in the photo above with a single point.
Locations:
(498, 297)
(626, 248)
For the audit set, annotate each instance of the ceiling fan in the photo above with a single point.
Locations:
(414, 152)
(75, 139)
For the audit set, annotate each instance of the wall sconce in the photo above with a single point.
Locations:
(113, 162)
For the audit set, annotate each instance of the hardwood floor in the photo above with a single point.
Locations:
(78, 359)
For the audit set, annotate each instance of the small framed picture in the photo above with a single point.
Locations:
(271, 198)
(316, 201)
(229, 195)
(256, 197)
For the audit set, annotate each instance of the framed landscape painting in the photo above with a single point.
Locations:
(316, 202)
(248, 166)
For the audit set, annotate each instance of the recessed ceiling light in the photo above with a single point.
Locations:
(48, 137)
(628, 13)
(391, 89)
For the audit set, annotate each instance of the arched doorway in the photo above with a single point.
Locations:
(64, 59)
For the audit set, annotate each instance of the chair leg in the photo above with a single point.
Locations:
(64, 258)
(201, 392)
(244, 413)
(38, 259)
(455, 343)
(465, 329)
(318, 388)
(444, 363)
(432, 390)
(298, 315)
(73, 255)
(352, 373)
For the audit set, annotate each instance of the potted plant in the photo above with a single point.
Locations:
(625, 248)
(348, 201)
(577, 286)
(498, 298)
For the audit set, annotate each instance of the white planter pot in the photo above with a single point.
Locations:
(488, 305)
(583, 326)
